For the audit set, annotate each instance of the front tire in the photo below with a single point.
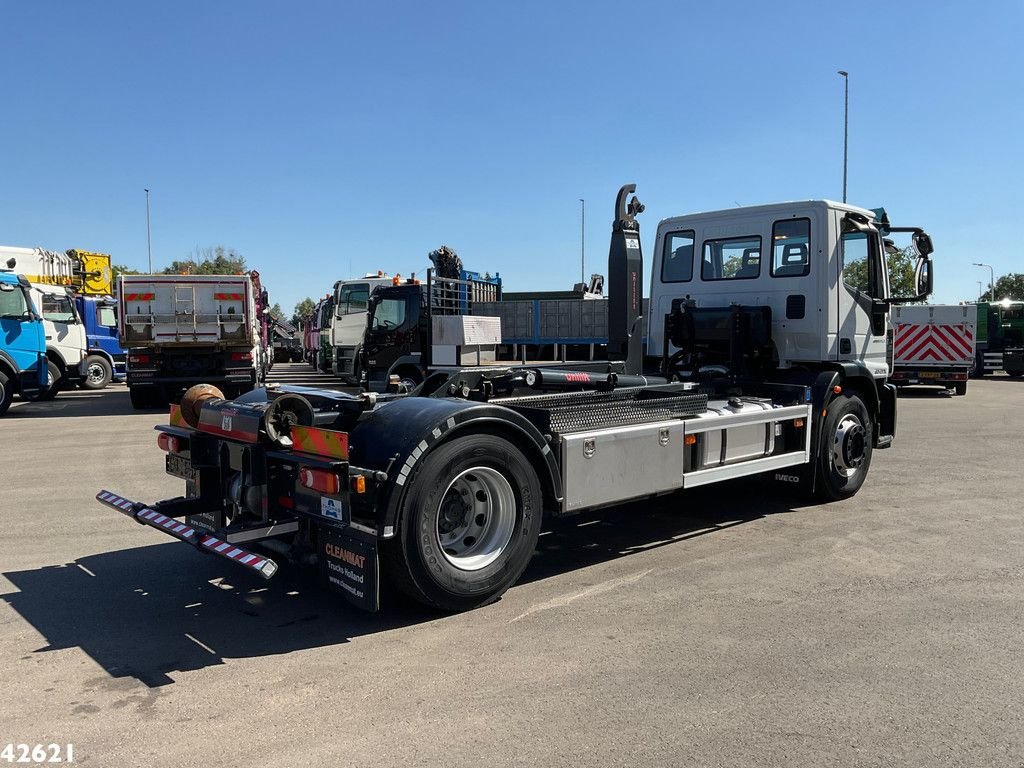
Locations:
(844, 448)
(468, 524)
(53, 382)
(98, 372)
(6, 393)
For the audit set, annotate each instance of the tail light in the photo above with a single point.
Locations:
(168, 443)
(237, 357)
(319, 480)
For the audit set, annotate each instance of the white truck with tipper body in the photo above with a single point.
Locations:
(934, 344)
(762, 360)
(181, 330)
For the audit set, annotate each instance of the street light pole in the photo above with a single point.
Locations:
(846, 124)
(991, 280)
(583, 236)
(149, 236)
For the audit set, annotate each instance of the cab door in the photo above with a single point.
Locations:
(861, 323)
(21, 336)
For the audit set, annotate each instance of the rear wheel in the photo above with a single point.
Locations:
(98, 372)
(960, 388)
(468, 525)
(844, 448)
(1015, 374)
(6, 393)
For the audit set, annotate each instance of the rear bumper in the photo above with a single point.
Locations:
(154, 518)
(935, 376)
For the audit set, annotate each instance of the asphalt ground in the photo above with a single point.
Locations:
(730, 626)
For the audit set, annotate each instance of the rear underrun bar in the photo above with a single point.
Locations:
(264, 566)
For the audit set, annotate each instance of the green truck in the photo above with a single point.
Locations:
(1000, 337)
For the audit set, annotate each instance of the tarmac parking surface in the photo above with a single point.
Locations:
(728, 626)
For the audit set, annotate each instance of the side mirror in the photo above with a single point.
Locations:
(923, 277)
(923, 244)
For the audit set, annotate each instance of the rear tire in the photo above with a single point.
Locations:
(6, 393)
(468, 524)
(844, 448)
(960, 388)
(98, 372)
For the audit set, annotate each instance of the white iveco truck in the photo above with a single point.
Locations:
(768, 355)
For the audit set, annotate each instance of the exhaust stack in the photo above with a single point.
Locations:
(625, 284)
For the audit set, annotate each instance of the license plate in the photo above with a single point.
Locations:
(179, 466)
(929, 374)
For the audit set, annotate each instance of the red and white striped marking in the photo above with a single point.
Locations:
(264, 566)
(939, 343)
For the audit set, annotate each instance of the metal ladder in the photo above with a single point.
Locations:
(185, 305)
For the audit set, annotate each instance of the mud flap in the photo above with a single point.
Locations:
(349, 565)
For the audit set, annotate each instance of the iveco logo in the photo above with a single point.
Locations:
(787, 478)
(663, 436)
(589, 448)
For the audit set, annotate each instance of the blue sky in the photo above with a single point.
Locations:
(326, 138)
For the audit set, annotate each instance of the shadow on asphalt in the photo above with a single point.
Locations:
(154, 611)
(112, 401)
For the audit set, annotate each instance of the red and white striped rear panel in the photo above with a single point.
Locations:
(933, 344)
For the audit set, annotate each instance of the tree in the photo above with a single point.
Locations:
(901, 264)
(1009, 286)
(216, 260)
(303, 310)
(276, 311)
(121, 269)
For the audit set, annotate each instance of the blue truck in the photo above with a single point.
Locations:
(105, 358)
(22, 342)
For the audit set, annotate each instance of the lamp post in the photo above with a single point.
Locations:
(991, 280)
(149, 236)
(583, 236)
(846, 124)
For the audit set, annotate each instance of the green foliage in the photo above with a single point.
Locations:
(303, 310)
(217, 260)
(121, 269)
(1009, 286)
(901, 272)
(276, 311)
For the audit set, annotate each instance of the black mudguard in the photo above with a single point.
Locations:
(396, 436)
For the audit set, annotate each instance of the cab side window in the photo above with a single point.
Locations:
(791, 248)
(734, 258)
(677, 257)
(12, 303)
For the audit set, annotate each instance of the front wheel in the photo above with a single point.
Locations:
(98, 372)
(53, 378)
(844, 448)
(469, 524)
(6, 393)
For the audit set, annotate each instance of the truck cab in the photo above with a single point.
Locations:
(106, 359)
(351, 300)
(23, 367)
(65, 334)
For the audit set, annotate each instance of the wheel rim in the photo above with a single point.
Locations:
(95, 373)
(849, 445)
(476, 518)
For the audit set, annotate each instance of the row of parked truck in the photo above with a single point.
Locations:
(372, 330)
(65, 323)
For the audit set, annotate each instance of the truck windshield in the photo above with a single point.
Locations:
(389, 313)
(353, 298)
(13, 304)
(57, 309)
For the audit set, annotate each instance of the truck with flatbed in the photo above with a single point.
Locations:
(934, 344)
(760, 360)
(182, 330)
